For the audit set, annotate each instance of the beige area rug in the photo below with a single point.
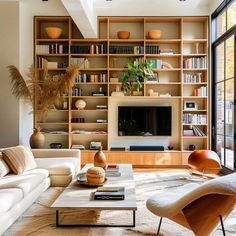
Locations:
(39, 219)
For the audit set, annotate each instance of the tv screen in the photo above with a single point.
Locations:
(144, 121)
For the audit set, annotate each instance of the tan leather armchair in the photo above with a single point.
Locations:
(199, 208)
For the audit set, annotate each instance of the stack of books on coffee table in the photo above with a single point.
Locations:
(112, 170)
(110, 193)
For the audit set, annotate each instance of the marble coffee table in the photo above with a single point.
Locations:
(79, 197)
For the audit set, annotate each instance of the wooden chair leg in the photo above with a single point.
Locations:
(222, 225)
(159, 226)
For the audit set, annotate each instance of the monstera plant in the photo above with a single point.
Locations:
(137, 73)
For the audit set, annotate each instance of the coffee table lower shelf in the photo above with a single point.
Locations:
(58, 224)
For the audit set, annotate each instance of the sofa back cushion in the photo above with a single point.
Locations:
(19, 159)
(4, 169)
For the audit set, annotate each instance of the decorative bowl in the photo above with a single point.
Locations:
(123, 34)
(53, 32)
(55, 145)
(154, 34)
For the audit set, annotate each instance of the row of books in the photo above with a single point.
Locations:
(52, 49)
(152, 49)
(83, 63)
(201, 92)
(84, 78)
(115, 49)
(189, 118)
(45, 64)
(192, 78)
(89, 49)
(155, 63)
(195, 131)
(195, 62)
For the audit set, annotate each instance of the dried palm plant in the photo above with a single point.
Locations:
(47, 92)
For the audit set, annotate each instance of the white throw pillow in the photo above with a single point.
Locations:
(4, 169)
(19, 159)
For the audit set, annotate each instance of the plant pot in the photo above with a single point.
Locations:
(37, 139)
(100, 158)
(137, 93)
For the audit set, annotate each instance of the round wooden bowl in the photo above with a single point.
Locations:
(205, 161)
(154, 34)
(53, 32)
(123, 34)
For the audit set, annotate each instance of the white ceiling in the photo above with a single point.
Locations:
(152, 7)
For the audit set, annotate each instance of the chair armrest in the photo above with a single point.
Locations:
(45, 153)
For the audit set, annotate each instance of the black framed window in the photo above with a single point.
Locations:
(223, 82)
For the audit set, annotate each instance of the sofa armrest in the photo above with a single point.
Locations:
(46, 153)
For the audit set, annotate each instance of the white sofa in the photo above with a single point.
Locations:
(18, 192)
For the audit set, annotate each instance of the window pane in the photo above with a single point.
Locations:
(229, 108)
(229, 152)
(230, 57)
(221, 24)
(220, 62)
(231, 15)
(220, 108)
(220, 147)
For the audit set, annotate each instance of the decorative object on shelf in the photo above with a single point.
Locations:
(190, 105)
(123, 34)
(95, 175)
(170, 147)
(165, 95)
(166, 65)
(100, 158)
(154, 34)
(117, 94)
(137, 72)
(205, 161)
(95, 145)
(191, 147)
(55, 145)
(37, 139)
(80, 104)
(53, 32)
(196, 48)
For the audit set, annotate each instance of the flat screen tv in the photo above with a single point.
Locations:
(144, 121)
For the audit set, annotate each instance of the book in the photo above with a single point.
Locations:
(107, 189)
(108, 195)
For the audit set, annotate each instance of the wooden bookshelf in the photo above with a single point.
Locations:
(187, 37)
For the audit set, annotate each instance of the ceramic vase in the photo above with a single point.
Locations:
(37, 139)
(100, 158)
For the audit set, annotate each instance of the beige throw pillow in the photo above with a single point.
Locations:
(19, 159)
(4, 169)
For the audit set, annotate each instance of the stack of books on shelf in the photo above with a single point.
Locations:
(89, 49)
(195, 62)
(51, 49)
(201, 92)
(155, 63)
(45, 64)
(112, 170)
(110, 193)
(115, 49)
(195, 131)
(84, 78)
(189, 118)
(78, 146)
(166, 51)
(152, 49)
(83, 63)
(192, 78)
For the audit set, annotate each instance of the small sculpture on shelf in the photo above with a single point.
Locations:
(80, 104)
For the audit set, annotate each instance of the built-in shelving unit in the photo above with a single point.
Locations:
(186, 80)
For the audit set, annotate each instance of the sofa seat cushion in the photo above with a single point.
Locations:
(9, 197)
(27, 182)
(59, 165)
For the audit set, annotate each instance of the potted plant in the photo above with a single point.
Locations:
(137, 73)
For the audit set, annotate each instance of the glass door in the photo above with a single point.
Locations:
(224, 100)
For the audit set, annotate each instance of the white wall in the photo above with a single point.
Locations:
(213, 5)
(9, 54)
(29, 9)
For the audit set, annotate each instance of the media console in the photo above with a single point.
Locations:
(146, 148)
